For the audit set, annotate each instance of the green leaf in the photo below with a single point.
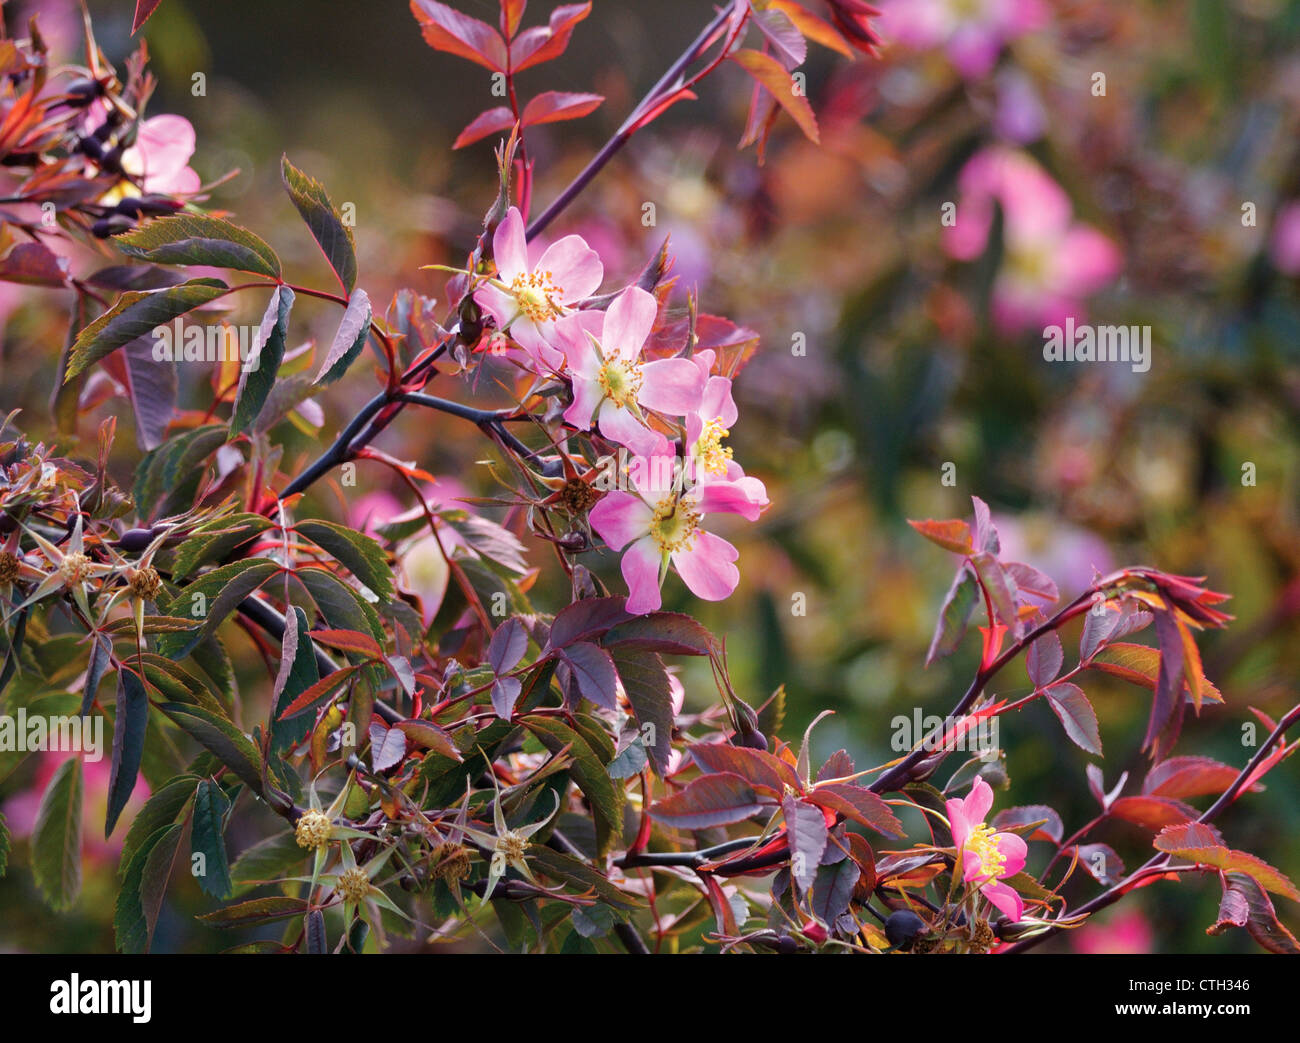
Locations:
(256, 911)
(671, 633)
(955, 615)
(226, 742)
(213, 597)
(4, 845)
(130, 720)
(301, 675)
(56, 838)
(645, 682)
(211, 805)
(362, 555)
(137, 314)
(171, 473)
(334, 237)
(135, 913)
(342, 607)
(272, 858)
(258, 375)
(164, 806)
(349, 339)
(198, 239)
(215, 540)
(589, 772)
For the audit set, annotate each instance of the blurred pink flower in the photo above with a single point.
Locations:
(1052, 261)
(972, 32)
(20, 809)
(1020, 116)
(1072, 556)
(1286, 239)
(987, 857)
(527, 298)
(161, 154)
(1127, 932)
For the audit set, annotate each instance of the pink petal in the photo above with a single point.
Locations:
(587, 394)
(628, 323)
(574, 266)
(641, 573)
(619, 425)
(707, 568)
(746, 497)
(166, 144)
(979, 801)
(717, 403)
(1004, 898)
(1086, 261)
(620, 518)
(960, 824)
(671, 386)
(497, 303)
(1014, 850)
(510, 247)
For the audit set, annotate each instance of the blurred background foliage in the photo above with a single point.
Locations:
(839, 247)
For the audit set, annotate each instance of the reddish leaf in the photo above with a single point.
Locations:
(1140, 665)
(858, 804)
(512, 13)
(954, 616)
(774, 79)
(1246, 905)
(813, 27)
(765, 772)
(1188, 777)
(1077, 715)
(553, 106)
(349, 641)
(1031, 581)
(325, 686)
(672, 633)
(508, 645)
(998, 586)
(1052, 828)
(662, 105)
(593, 670)
(448, 30)
(430, 737)
(542, 43)
(35, 264)
(953, 535)
(1152, 812)
(586, 619)
(1101, 863)
(1201, 843)
(490, 122)
(387, 746)
(711, 800)
(1044, 659)
(143, 9)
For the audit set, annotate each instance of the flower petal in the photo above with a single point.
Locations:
(707, 568)
(641, 573)
(619, 518)
(1005, 898)
(574, 266)
(671, 386)
(510, 246)
(628, 323)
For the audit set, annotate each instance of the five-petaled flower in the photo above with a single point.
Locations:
(986, 858)
(526, 299)
(612, 385)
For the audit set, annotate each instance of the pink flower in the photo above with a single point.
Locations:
(1286, 239)
(663, 532)
(986, 857)
(161, 154)
(1052, 262)
(612, 386)
(721, 484)
(973, 32)
(525, 299)
(1127, 932)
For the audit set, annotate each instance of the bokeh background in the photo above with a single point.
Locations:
(913, 360)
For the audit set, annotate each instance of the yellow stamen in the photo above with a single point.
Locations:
(620, 380)
(537, 296)
(712, 454)
(981, 843)
(675, 524)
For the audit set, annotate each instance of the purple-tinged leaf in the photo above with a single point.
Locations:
(998, 586)
(1152, 812)
(1099, 623)
(430, 737)
(765, 772)
(35, 264)
(832, 890)
(505, 693)
(593, 670)
(1077, 715)
(130, 719)
(586, 619)
(859, 804)
(1052, 829)
(671, 633)
(955, 615)
(508, 645)
(1245, 904)
(387, 746)
(1044, 659)
(1188, 777)
(350, 338)
(711, 800)
(806, 828)
(986, 536)
(1101, 863)
(1030, 581)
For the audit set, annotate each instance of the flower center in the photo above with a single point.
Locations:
(674, 525)
(74, 567)
(620, 380)
(511, 845)
(537, 296)
(712, 454)
(982, 843)
(354, 885)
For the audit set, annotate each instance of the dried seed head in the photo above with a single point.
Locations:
(313, 829)
(451, 862)
(144, 582)
(9, 567)
(353, 885)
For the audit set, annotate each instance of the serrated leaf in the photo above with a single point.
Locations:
(954, 616)
(222, 589)
(298, 674)
(138, 903)
(222, 739)
(137, 315)
(196, 239)
(130, 720)
(360, 554)
(645, 683)
(589, 772)
(327, 227)
(858, 804)
(1076, 715)
(806, 829)
(56, 837)
(593, 671)
(349, 339)
(718, 799)
(163, 807)
(258, 375)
